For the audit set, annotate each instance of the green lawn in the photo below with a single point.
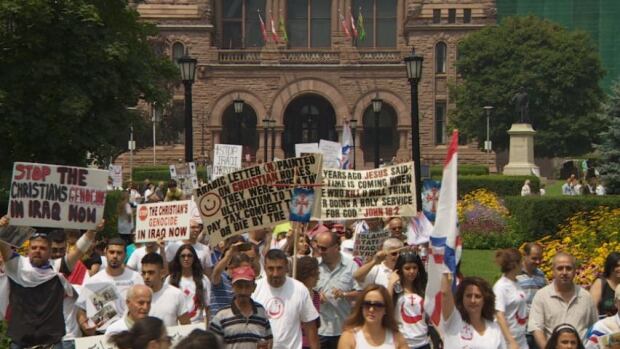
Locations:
(480, 263)
(554, 188)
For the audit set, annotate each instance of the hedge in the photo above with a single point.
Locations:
(159, 173)
(464, 170)
(537, 216)
(499, 184)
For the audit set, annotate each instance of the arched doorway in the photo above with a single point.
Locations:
(240, 128)
(308, 119)
(388, 135)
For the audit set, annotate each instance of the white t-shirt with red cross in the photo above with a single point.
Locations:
(188, 288)
(511, 300)
(287, 307)
(458, 334)
(409, 312)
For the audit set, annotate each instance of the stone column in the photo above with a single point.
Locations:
(521, 155)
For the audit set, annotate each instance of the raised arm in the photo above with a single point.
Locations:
(361, 273)
(447, 300)
(82, 245)
(5, 249)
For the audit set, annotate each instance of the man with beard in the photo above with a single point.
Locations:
(37, 289)
(138, 307)
(116, 279)
(168, 302)
(244, 323)
(561, 302)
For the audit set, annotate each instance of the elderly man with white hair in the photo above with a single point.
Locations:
(378, 269)
(138, 307)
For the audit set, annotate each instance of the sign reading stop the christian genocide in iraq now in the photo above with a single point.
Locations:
(254, 197)
(168, 220)
(57, 196)
(384, 192)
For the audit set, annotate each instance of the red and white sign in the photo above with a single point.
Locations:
(167, 220)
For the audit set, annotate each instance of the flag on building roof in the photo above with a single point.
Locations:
(344, 24)
(445, 243)
(352, 20)
(361, 31)
(263, 30)
(274, 31)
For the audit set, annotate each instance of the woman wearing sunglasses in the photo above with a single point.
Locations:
(147, 333)
(372, 324)
(471, 326)
(407, 285)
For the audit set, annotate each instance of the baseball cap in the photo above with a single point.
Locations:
(243, 273)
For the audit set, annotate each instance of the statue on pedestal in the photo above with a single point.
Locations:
(522, 104)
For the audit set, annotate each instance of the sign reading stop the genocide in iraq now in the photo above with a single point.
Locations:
(57, 196)
(254, 197)
(168, 220)
(384, 192)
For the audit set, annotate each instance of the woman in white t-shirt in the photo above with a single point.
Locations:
(372, 324)
(187, 275)
(406, 285)
(471, 326)
(510, 301)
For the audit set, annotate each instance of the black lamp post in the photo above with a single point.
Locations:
(266, 123)
(414, 74)
(353, 125)
(188, 73)
(238, 107)
(377, 104)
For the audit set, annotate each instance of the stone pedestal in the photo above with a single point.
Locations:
(521, 155)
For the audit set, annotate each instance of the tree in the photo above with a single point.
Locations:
(559, 69)
(610, 143)
(69, 70)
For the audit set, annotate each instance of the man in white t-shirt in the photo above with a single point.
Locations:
(116, 279)
(138, 307)
(288, 304)
(135, 260)
(168, 303)
(378, 269)
(203, 251)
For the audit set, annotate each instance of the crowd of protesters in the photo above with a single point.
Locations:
(261, 290)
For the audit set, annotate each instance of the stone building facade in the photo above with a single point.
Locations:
(321, 77)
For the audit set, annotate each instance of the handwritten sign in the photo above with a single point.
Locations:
(307, 148)
(367, 243)
(332, 153)
(186, 177)
(167, 220)
(57, 196)
(177, 333)
(116, 173)
(383, 192)
(248, 199)
(226, 159)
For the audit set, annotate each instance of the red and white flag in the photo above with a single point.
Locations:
(274, 30)
(352, 21)
(263, 30)
(445, 243)
(345, 25)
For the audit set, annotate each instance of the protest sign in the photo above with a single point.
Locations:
(168, 220)
(186, 177)
(226, 159)
(384, 192)
(116, 173)
(57, 196)
(302, 203)
(332, 153)
(367, 243)
(430, 198)
(254, 197)
(177, 333)
(104, 303)
(306, 148)
(14, 235)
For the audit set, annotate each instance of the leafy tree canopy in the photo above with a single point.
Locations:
(559, 69)
(69, 69)
(610, 143)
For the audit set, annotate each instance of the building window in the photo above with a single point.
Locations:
(467, 15)
(440, 122)
(178, 50)
(309, 23)
(441, 56)
(388, 134)
(437, 16)
(240, 26)
(379, 22)
(452, 15)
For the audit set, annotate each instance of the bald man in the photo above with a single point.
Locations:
(138, 306)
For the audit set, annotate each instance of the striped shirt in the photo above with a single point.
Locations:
(531, 284)
(221, 294)
(238, 331)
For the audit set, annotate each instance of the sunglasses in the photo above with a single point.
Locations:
(39, 235)
(375, 305)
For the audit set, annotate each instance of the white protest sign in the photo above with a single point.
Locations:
(57, 196)
(186, 177)
(254, 197)
(168, 220)
(226, 159)
(308, 148)
(104, 303)
(116, 173)
(177, 333)
(332, 153)
(368, 243)
(383, 192)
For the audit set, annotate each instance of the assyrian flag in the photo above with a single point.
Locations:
(344, 24)
(263, 30)
(445, 245)
(352, 20)
(346, 162)
(274, 30)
